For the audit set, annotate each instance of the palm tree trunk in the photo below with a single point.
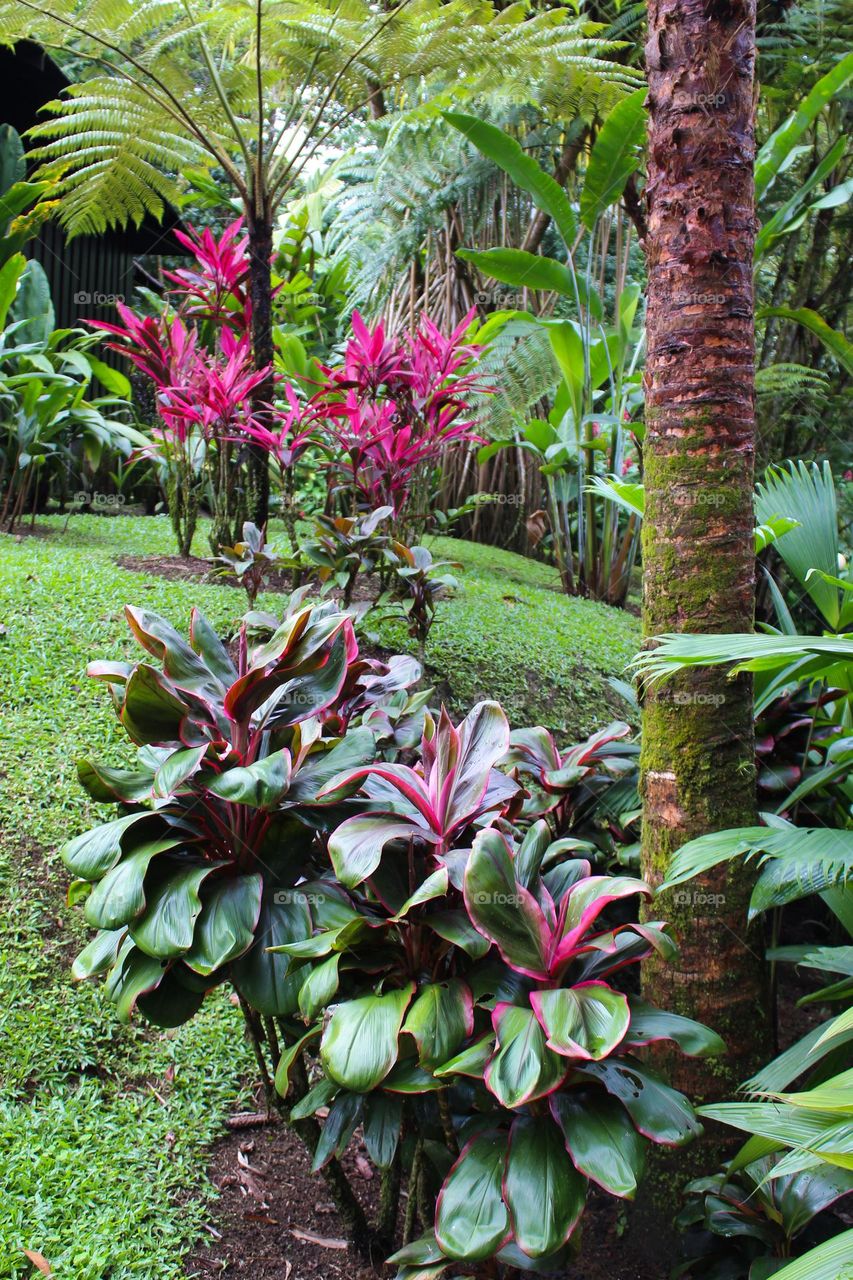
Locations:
(260, 253)
(699, 565)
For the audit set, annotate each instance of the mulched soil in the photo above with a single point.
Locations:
(196, 569)
(274, 1220)
(271, 1205)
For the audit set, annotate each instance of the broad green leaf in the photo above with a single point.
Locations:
(522, 269)
(772, 155)
(359, 1045)
(435, 886)
(176, 769)
(501, 909)
(356, 847)
(171, 1003)
(658, 1112)
(99, 955)
(439, 1019)
(586, 1021)
(262, 976)
(260, 785)
(319, 988)
(338, 1128)
(10, 274)
(113, 380)
(455, 927)
(471, 1219)
(226, 927)
(166, 928)
(284, 1068)
(210, 648)
(614, 157)
(383, 1117)
(151, 711)
(544, 1192)
(649, 1024)
(601, 1139)
(95, 852)
(471, 1061)
(106, 784)
(120, 896)
(833, 339)
(522, 1068)
(829, 1261)
(498, 146)
(132, 975)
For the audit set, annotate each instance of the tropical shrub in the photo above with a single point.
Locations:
(406, 957)
(344, 546)
(391, 410)
(467, 994)
(418, 584)
(804, 1131)
(250, 562)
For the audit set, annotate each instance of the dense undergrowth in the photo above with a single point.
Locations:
(108, 1125)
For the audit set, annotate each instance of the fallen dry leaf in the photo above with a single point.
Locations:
(39, 1261)
(325, 1242)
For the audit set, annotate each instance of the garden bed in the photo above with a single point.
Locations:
(117, 1122)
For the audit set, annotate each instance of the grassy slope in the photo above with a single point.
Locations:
(508, 634)
(91, 1162)
(95, 1170)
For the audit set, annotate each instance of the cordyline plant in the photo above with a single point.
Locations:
(392, 409)
(407, 959)
(466, 1016)
(198, 354)
(209, 863)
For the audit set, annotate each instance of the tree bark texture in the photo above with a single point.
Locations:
(699, 563)
(260, 253)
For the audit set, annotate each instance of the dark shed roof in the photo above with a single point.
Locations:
(29, 78)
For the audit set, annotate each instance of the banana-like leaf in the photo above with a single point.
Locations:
(522, 269)
(614, 157)
(778, 146)
(833, 339)
(499, 147)
(94, 853)
(649, 1025)
(319, 988)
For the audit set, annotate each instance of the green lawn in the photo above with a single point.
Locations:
(104, 1129)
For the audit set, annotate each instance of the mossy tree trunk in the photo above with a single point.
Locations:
(699, 563)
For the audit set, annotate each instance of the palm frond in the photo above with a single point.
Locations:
(805, 493)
